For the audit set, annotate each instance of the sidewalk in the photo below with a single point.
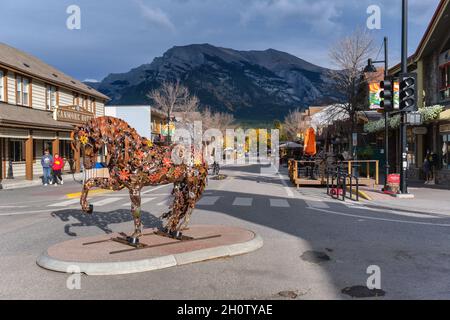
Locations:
(21, 182)
(426, 199)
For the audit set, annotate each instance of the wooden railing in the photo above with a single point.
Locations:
(364, 179)
(366, 165)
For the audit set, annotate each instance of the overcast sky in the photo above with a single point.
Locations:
(118, 35)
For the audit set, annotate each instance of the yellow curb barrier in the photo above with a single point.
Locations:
(362, 194)
(91, 192)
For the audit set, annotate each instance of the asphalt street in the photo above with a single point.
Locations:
(411, 249)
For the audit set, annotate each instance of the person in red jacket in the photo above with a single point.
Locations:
(58, 165)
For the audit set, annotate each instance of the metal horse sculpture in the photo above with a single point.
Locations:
(133, 163)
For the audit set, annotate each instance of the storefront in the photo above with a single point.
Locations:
(25, 134)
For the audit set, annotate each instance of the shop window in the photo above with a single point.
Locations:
(65, 149)
(444, 83)
(445, 142)
(16, 150)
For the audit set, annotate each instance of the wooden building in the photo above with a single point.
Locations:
(39, 107)
(431, 62)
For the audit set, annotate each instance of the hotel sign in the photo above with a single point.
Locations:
(72, 114)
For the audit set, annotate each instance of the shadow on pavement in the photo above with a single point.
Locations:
(103, 220)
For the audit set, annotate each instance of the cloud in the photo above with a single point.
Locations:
(156, 16)
(318, 14)
(91, 80)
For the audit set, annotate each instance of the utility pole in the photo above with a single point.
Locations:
(403, 141)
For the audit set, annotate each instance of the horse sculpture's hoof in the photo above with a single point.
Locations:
(133, 241)
(91, 209)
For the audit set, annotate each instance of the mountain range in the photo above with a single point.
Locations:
(252, 85)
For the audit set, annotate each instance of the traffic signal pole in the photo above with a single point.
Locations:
(386, 118)
(403, 137)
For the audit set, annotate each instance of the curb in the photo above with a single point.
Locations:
(128, 267)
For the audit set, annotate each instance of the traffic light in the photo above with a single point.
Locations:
(408, 92)
(387, 94)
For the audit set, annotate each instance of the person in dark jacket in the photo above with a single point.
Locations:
(47, 163)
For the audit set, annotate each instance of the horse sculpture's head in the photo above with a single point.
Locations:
(84, 138)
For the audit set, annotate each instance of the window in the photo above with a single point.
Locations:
(65, 149)
(91, 107)
(445, 142)
(2, 86)
(445, 81)
(23, 89)
(16, 150)
(51, 97)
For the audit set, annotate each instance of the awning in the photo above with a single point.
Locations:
(29, 118)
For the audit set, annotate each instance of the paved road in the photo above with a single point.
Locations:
(411, 248)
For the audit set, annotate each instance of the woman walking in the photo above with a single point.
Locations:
(58, 165)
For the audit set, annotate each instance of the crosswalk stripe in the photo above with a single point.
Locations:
(243, 202)
(143, 201)
(106, 201)
(163, 203)
(279, 203)
(208, 201)
(317, 204)
(65, 203)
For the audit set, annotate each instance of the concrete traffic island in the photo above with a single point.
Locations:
(100, 255)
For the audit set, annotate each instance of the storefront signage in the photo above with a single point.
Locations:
(420, 130)
(445, 128)
(72, 115)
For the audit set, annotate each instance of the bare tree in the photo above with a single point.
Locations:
(217, 120)
(174, 97)
(295, 123)
(349, 55)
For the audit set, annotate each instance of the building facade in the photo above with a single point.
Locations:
(431, 62)
(39, 107)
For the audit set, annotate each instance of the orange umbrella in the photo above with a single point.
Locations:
(310, 148)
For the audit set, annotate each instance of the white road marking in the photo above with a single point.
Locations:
(157, 188)
(286, 187)
(105, 201)
(208, 201)
(64, 203)
(143, 201)
(279, 203)
(243, 202)
(163, 203)
(397, 212)
(379, 219)
(13, 207)
(317, 204)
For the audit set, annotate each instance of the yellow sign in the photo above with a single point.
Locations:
(165, 131)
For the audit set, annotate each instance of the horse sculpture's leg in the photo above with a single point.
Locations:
(135, 197)
(186, 193)
(104, 183)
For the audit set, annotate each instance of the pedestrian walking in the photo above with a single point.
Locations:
(426, 169)
(58, 165)
(47, 163)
